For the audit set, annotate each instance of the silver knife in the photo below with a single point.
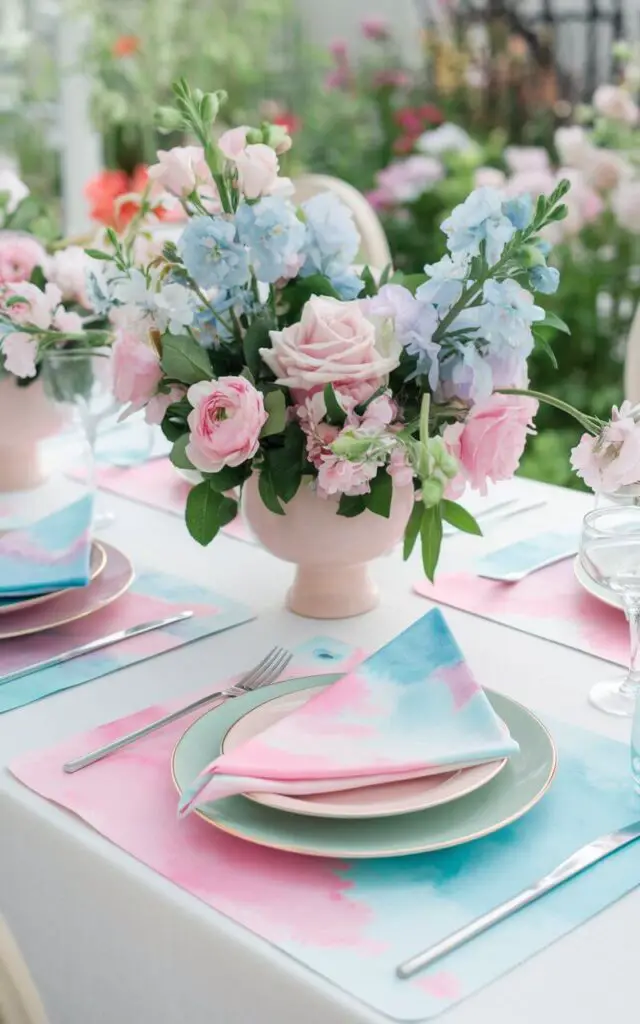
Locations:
(94, 645)
(572, 866)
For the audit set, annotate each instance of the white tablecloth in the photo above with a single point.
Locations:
(109, 942)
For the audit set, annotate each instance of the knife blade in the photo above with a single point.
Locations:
(95, 645)
(579, 861)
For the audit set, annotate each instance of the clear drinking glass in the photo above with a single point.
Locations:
(610, 555)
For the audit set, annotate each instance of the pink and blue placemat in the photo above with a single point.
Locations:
(154, 595)
(51, 553)
(549, 603)
(353, 922)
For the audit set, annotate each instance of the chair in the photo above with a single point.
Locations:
(19, 1000)
(632, 361)
(374, 248)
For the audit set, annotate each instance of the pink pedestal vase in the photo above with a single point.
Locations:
(331, 552)
(27, 417)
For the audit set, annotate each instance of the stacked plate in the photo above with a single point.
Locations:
(390, 820)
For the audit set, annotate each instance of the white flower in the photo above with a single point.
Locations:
(159, 306)
(12, 185)
(447, 138)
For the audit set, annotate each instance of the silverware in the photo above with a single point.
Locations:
(263, 674)
(94, 645)
(569, 868)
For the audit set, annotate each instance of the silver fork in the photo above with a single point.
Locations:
(263, 674)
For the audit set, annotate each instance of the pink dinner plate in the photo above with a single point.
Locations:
(114, 580)
(98, 562)
(382, 800)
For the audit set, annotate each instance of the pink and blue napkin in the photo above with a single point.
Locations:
(412, 709)
(51, 554)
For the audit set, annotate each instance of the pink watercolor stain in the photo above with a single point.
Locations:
(460, 682)
(441, 985)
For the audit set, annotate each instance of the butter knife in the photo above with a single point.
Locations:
(94, 645)
(579, 861)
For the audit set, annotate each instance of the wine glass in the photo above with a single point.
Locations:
(610, 555)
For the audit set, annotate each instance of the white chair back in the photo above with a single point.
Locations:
(19, 1000)
(374, 249)
(632, 362)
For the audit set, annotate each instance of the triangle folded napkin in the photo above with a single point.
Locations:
(50, 554)
(411, 709)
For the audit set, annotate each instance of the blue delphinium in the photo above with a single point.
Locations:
(544, 279)
(519, 210)
(212, 254)
(274, 236)
(446, 281)
(99, 285)
(348, 285)
(480, 218)
(507, 314)
(414, 325)
(331, 239)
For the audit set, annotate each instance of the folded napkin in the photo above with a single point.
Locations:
(412, 709)
(50, 554)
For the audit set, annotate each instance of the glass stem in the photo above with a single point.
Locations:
(631, 684)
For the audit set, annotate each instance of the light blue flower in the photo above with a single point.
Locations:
(331, 237)
(466, 374)
(348, 285)
(507, 314)
(519, 210)
(212, 255)
(274, 236)
(446, 282)
(414, 324)
(99, 284)
(544, 279)
(479, 219)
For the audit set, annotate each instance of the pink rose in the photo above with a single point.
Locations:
(488, 177)
(20, 351)
(19, 256)
(522, 159)
(136, 371)
(181, 171)
(625, 203)
(611, 460)
(615, 102)
(333, 343)
(158, 404)
(488, 445)
(257, 165)
(228, 415)
(68, 269)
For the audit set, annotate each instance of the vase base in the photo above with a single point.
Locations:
(338, 592)
(21, 469)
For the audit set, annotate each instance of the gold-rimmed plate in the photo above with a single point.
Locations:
(9, 606)
(114, 580)
(513, 792)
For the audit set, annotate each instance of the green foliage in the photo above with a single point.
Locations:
(431, 537)
(184, 360)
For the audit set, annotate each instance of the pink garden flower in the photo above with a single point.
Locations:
(19, 256)
(68, 269)
(181, 171)
(612, 459)
(489, 443)
(376, 29)
(38, 307)
(20, 351)
(157, 405)
(615, 102)
(489, 177)
(399, 468)
(525, 159)
(625, 203)
(136, 371)
(228, 415)
(343, 476)
(403, 181)
(257, 165)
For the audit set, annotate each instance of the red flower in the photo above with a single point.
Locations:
(106, 188)
(125, 46)
(430, 114)
(288, 120)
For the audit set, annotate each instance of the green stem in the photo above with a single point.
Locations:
(590, 423)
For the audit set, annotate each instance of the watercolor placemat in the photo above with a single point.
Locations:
(353, 922)
(154, 595)
(550, 604)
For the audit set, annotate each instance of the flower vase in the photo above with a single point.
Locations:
(330, 552)
(27, 418)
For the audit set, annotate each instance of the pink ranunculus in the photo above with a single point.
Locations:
(488, 445)
(403, 181)
(332, 343)
(20, 351)
(19, 256)
(342, 476)
(611, 460)
(257, 165)
(489, 177)
(523, 159)
(625, 203)
(228, 415)
(38, 306)
(181, 171)
(158, 404)
(136, 371)
(615, 102)
(398, 468)
(68, 269)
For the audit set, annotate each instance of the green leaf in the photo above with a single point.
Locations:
(178, 454)
(459, 517)
(38, 278)
(227, 511)
(276, 406)
(370, 288)
(336, 415)
(203, 504)
(267, 491)
(378, 499)
(386, 274)
(351, 505)
(284, 463)
(174, 422)
(257, 337)
(298, 292)
(553, 320)
(185, 360)
(546, 347)
(229, 478)
(431, 537)
(98, 254)
(413, 529)
(413, 281)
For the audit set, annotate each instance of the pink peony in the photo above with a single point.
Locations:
(228, 415)
(489, 177)
(522, 159)
(19, 256)
(625, 203)
(158, 404)
(136, 371)
(68, 269)
(181, 171)
(333, 343)
(257, 165)
(20, 351)
(342, 476)
(611, 460)
(488, 445)
(615, 102)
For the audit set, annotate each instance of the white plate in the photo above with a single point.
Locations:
(601, 593)
(378, 801)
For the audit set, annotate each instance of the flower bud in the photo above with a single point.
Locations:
(432, 492)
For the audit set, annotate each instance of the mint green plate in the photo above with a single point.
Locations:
(511, 794)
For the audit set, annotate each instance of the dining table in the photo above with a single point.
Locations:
(108, 940)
